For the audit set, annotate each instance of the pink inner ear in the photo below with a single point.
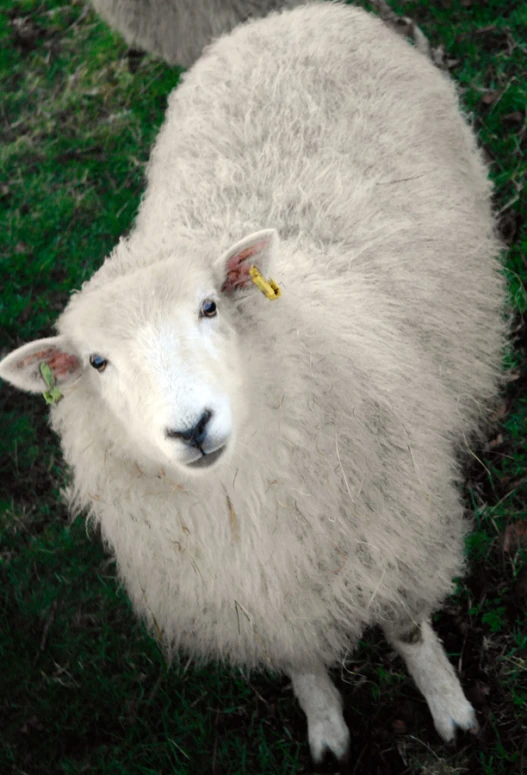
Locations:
(61, 364)
(238, 267)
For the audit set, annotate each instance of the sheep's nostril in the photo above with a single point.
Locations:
(195, 435)
(205, 417)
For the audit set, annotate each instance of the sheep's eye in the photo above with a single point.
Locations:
(98, 363)
(208, 309)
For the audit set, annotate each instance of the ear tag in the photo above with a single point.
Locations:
(268, 287)
(52, 394)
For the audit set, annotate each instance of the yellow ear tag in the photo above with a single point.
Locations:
(268, 287)
(52, 394)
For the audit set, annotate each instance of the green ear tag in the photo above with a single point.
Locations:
(52, 394)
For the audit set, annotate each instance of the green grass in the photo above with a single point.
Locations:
(82, 687)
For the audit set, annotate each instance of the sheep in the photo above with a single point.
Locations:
(178, 30)
(277, 471)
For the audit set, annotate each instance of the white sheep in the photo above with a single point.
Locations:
(178, 30)
(275, 476)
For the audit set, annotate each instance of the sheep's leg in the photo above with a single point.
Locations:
(428, 665)
(322, 704)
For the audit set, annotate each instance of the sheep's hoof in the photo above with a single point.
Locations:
(449, 717)
(329, 737)
(330, 765)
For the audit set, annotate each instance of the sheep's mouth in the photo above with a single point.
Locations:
(207, 459)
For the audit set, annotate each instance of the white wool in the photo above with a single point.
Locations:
(352, 395)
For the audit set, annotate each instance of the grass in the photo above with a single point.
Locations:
(82, 687)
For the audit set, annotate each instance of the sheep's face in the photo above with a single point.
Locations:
(158, 348)
(162, 356)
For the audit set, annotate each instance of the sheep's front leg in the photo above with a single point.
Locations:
(428, 665)
(322, 704)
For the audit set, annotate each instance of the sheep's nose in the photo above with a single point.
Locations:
(192, 436)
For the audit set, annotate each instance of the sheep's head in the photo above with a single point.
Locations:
(158, 346)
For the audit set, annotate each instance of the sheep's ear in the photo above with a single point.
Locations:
(257, 250)
(22, 367)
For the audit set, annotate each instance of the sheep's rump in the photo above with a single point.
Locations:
(326, 125)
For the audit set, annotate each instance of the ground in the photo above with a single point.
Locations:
(82, 687)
